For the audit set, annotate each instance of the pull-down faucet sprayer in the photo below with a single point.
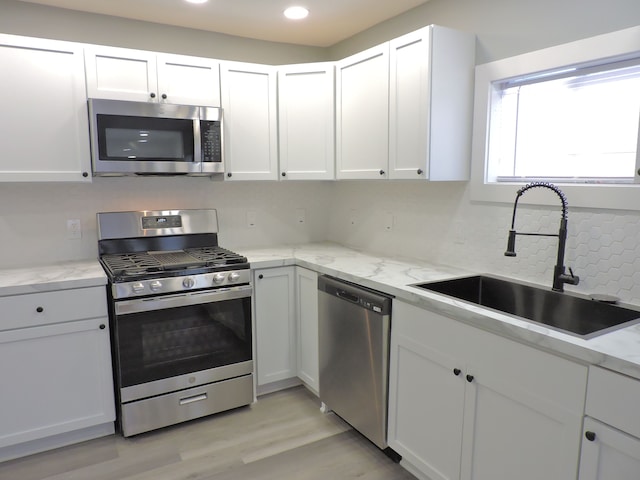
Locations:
(559, 275)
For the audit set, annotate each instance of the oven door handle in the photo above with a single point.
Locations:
(182, 300)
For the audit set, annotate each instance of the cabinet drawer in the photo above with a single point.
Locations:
(613, 399)
(44, 308)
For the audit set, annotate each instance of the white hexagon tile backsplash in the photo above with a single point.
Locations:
(603, 249)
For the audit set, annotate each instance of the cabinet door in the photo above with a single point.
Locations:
(409, 105)
(307, 316)
(189, 80)
(452, 72)
(275, 324)
(55, 379)
(44, 135)
(121, 74)
(430, 105)
(306, 105)
(426, 396)
(523, 411)
(608, 453)
(249, 103)
(362, 115)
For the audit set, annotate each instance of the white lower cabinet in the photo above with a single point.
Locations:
(611, 437)
(275, 325)
(467, 404)
(307, 323)
(56, 374)
(608, 453)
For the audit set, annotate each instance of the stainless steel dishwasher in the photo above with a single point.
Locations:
(353, 328)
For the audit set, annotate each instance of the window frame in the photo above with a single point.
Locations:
(615, 46)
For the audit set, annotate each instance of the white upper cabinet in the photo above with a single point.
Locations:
(362, 115)
(249, 96)
(44, 134)
(189, 80)
(431, 104)
(404, 108)
(306, 108)
(143, 76)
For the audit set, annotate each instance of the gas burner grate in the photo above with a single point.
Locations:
(173, 259)
(216, 256)
(131, 263)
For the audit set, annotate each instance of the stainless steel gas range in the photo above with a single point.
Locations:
(180, 317)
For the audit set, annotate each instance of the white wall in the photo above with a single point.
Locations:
(505, 28)
(33, 20)
(33, 217)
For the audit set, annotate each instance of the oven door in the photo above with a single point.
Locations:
(173, 342)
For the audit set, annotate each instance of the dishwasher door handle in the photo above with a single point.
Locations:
(347, 296)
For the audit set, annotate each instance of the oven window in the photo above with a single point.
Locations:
(143, 138)
(165, 343)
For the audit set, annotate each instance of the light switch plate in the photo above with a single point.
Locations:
(74, 229)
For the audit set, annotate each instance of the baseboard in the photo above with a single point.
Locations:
(55, 441)
(279, 385)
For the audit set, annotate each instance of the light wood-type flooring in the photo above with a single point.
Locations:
(283, 436)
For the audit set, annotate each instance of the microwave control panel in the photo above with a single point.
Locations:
(211, 140)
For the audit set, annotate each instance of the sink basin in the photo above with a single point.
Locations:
(566, 312)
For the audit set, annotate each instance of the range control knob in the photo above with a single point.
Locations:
(188, 282)
(137, 287)
(155, 285)
(234, 276)
(218, 278)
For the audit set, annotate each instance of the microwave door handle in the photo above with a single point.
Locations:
(197, 144)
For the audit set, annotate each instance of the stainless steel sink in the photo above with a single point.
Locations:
(566, 312)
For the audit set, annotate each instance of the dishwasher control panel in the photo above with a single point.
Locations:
(377, 302)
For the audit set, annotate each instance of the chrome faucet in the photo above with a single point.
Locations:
(559, 275)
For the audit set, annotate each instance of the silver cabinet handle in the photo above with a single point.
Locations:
(195, 398)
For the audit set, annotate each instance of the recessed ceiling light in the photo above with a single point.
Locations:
(197, 1)
(296, 13)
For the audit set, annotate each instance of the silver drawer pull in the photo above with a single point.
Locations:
(195, 398)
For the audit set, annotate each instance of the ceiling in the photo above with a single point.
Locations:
(329, 22)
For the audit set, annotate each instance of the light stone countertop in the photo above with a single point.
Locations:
(19, 281)
(618, 350)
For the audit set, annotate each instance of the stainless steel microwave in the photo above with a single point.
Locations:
(137, 138)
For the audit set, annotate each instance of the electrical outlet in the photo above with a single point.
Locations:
(74, 229)
(387, 219)
(301, 216)
(251, 219)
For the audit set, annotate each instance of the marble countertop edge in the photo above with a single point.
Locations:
(618, 350)
(67, 275)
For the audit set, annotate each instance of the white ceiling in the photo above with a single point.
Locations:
(329, 22)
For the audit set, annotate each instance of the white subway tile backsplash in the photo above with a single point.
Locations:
(431, 221)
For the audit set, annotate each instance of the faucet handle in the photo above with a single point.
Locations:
(511, 244)
(571, 279)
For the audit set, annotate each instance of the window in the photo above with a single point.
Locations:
(575, 124)
(569, 115)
